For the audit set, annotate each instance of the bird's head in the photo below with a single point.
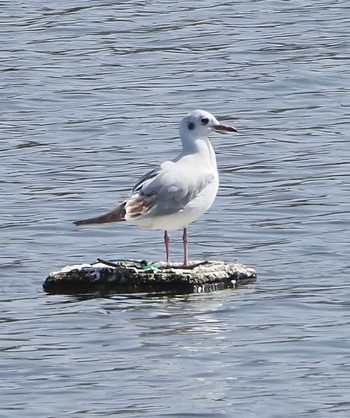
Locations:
(199, 124)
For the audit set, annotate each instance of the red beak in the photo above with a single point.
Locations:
(224, 128)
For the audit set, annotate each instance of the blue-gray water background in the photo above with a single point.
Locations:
(91, 97)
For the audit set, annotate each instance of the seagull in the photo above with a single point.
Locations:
(180, 190)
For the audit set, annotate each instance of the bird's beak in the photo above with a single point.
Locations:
(224, 128)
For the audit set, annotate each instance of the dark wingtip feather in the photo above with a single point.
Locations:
(81, 222)
(116, 215)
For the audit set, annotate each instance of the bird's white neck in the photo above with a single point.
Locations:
(200, 146)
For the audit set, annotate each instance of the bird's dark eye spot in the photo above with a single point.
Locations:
(191, 126)
(205, 121)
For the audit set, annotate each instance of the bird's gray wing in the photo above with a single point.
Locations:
(150, 175)
(165, 191)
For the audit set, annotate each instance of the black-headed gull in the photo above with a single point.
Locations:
(181, 190)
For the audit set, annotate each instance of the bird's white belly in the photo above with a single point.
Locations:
(190, 213)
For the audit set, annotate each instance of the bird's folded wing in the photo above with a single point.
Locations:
(166, 191)
(151, 174)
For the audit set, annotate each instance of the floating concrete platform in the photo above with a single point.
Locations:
(130, 276)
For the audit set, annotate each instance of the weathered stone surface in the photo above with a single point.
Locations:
(129, 276)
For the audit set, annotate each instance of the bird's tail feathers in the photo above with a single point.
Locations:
(116, 215)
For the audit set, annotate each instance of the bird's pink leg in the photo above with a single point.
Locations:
(185, 241)
(166, 242)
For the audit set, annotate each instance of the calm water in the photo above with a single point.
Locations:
(91, 97)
